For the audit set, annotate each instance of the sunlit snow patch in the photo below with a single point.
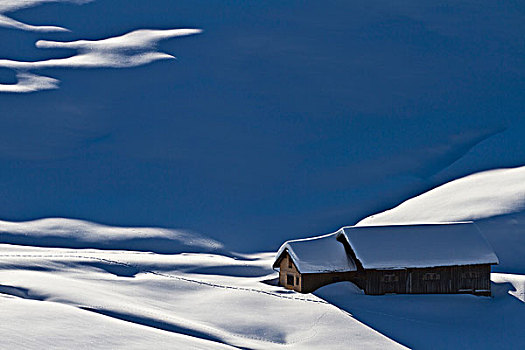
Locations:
(68, 233)
(28, 82)
(7, 6)
(132, 49)
(478, 196)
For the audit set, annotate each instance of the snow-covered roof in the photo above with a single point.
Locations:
(317, 254)
(421, 245)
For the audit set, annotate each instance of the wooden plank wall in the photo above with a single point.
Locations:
(473, 279)
(285, 270)
(453, 279)
(312, 281)
(308, 282)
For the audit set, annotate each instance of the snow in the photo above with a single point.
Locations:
(286, 118)
(7, 6)
(128, 50)
(112, 298)
(516, 281)
(58, 232)
(317, 254)
(132, 49)
(441, 321)
(28, 82)
(332, 121)
(113, 295)
(54, 325)
(426, 245)
(477, 196)
(494, 199)
(506, 235)
(455, 321)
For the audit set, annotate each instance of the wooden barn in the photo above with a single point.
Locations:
(414, 259)
(307, 264)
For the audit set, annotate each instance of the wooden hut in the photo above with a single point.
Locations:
(307, 264)
(427, 258)
(417, 259)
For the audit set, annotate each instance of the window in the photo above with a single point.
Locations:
(289, 280)
(470, 275)
(391, 278)
(297, 280)
(290, 264)
(431, 276)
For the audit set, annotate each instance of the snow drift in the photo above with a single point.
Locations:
(478, 196)
(493, 199)
(69, 233)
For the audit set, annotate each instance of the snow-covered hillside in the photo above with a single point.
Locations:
(290, 118)
(69, 233)
(494, 199)
(75, 283)
(113, 297)
(475, 197)
(244, 124)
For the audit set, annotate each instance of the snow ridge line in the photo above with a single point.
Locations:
(152, 272)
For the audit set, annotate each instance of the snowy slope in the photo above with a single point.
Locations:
(56, 232)
(128, 299)
(208, 300)
(52, 325)
(279, 118)
(441, 321)
(112, 299)
(477, 196)
(287, 117)
(494, 199)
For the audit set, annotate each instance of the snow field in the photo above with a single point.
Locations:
(230, 309)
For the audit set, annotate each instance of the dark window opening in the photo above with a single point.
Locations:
(297, 280)
(290, 263)
(470, 275)
(390, 278)
(289, 280)
(431, 276)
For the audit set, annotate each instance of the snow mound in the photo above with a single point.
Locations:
(339, 289)
(69, 233)
(132, 49)
(478, 196)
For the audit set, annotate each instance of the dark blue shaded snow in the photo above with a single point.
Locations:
(281, 120)
(437, 321)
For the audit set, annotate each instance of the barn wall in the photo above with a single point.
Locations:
(312, 281)
(452, 279)
(285, 270)
(382, 282)
(473, 279)
(307, 283)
